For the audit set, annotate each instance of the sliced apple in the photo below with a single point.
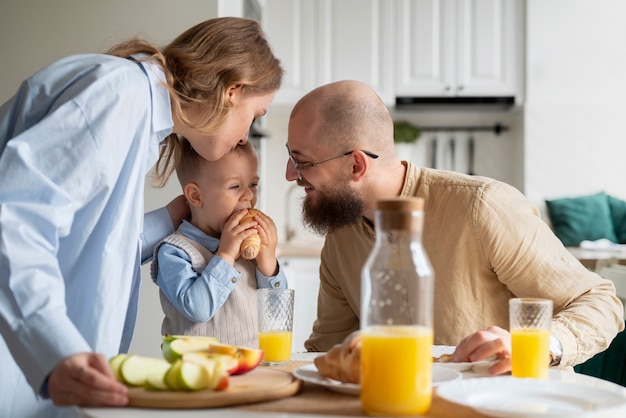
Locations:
(194, 376)
(223, 349)
(156, 381)
(229, 363)
(171, 375)
(115, 362)
(174, 346)
(135, 369)
(220, 378)
(196, 371)
(247, 358)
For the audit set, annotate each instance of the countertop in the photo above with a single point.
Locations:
(300, 248)
(589, 258)
(316, 401)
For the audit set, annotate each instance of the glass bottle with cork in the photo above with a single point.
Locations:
(397, 313)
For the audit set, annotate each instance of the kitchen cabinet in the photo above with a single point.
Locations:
(329, 40)
(411, 48)
(303, 276)
(455, 48)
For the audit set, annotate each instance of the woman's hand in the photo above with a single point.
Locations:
(178, 210)
(86, 379)
(485, 343)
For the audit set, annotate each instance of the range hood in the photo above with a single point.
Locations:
(455, 103)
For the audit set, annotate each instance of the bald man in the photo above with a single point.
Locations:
(485, 240)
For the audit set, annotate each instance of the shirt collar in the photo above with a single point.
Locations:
(193, 232)
(162, 122)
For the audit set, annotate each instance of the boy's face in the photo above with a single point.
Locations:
(226, 186)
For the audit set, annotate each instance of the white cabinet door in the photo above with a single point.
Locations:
(290, 26)
(487, 47)
(458, 48)
(323, 41)
(425, 43)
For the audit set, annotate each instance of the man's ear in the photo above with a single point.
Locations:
(192, 194)
(360, 165)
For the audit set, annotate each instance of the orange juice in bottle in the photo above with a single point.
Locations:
(396, 314)
(531, 352)
(396, 370)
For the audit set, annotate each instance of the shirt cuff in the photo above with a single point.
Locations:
(556, 351)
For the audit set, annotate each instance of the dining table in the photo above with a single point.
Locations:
(315, 400)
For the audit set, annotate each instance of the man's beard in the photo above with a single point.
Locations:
(333, 210)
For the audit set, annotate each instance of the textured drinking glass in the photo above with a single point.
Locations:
(275, 313)
(530, 321)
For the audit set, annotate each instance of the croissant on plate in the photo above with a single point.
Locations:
(343, 361)
(251, 245)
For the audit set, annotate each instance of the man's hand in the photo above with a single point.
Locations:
(86, 379)
(485, 343)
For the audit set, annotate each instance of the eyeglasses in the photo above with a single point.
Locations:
(299, 166)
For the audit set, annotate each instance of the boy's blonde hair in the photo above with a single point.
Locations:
(191, 162)
(201, 65)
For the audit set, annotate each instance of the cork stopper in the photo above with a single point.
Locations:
(400, 213)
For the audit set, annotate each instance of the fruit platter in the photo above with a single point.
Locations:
(200, 372)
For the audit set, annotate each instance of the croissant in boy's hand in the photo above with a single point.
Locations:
(251, 245)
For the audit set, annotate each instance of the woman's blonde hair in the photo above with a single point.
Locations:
(200, 66)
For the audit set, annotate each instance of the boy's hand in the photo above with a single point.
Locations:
(232, 236)
(266, 260)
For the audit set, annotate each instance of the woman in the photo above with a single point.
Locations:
(76, 142)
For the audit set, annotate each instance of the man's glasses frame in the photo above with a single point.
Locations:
(299, 166)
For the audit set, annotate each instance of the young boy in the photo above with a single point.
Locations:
(206, 287)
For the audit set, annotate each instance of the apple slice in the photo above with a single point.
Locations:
(156, 381)
(115, 362)
(247, 358)
(220, 379)
(135, 369)
(196, 371)
(229, 363)
(194, 376)
(171, 375)
(174, 346)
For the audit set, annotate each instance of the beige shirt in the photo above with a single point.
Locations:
(487, 244)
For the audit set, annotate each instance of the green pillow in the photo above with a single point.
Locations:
(581, 218)
(618, 216)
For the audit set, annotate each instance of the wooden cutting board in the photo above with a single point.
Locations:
(261, 384)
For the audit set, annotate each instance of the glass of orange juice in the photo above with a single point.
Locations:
(530, 321)
(275, 314)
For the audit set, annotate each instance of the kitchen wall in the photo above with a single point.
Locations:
(574, 140)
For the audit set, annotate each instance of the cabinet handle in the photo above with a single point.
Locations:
(447, 88)
(460, 88)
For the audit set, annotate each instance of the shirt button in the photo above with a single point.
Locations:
(276, 284)
(233, 280)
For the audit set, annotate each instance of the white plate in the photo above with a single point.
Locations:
(512, 397)
(438, 350)
(309, 373)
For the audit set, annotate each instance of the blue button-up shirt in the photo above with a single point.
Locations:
(198, 296)
(76, 143)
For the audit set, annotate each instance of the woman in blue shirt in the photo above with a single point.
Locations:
(76, 142)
